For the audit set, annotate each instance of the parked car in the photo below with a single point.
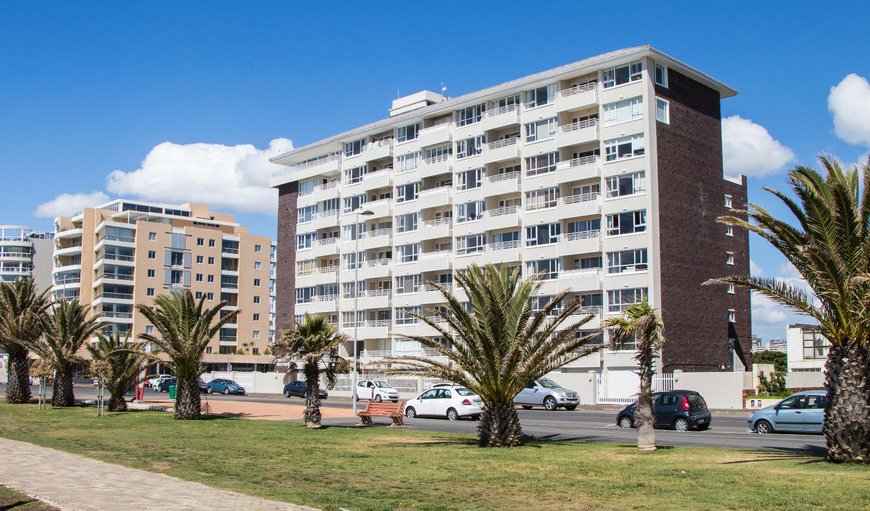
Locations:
(154, 380)
(224, 386)
(547, 393)
(164, 383)
(803, 412)
(298, 388)
(203, 386)
(677, 409)
(376, 390)
(450, 401)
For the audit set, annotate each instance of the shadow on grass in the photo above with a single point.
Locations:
(807, 453)
(13, 505)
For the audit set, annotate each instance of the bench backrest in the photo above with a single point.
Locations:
(385, 408)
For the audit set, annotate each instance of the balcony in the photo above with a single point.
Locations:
(500, 117)
(438, 260)
(501, 218)
(230, 252)
(500, 184)
(16, 255)
(113, 278)
(117, 317)
(323, 247)
(434, 197)
(318, 305)
(322, 165)
(578, 169)
(372, 269)
(371, 151)
(435, 166)
(324, 219)
(317, 276)
(109, 297)
(368, 329)
(579, 96)
(430, 294)
(579, 242)
(434, 229)
(69, 233)
(578, 132)
(502, 252)
(69, 249)
(579, 205)
(577, 280)
(468, 162)
(434, 135)
(380, 178)
(369, 299)
(369, 240)
(502, 150)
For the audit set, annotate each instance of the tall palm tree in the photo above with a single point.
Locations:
(185, 328)
(641, 322)
(66, 329)
(828, 243)
(316, 342)
(498, 346)
(124, 360)
(21, 312)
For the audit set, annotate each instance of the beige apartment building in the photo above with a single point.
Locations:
(126, 253)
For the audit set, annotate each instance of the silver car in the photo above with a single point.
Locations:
(547, 393)
(803, 412)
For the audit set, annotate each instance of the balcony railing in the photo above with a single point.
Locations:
(325, 186)
(377, 322)
(579, 88)
(229, 250)
(118, 257)
(496, 178)
(580, 235)
(14, 253)
(541, 205)
(579, 125)
(316, 162)
(505, 142)
(501, 110)
(505, 210)
(379, 262)
(324, 214)
(115, 296)
(376, 353)
(375, 233)
(435, 191)
(328, 241)
(116, 276)
(118, 237)
(504, 245)
(577, 162)
(436, 254)
(16, 269)
(373, 293)
(436, 159)
(583, 197)
(438, 221)
(120, 315)
(72, 279)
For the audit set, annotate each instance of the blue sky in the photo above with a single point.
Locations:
(87, 89)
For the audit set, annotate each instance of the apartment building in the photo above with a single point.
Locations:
(125, 253)
(25, 253)
(603, 177)
(273, 283)
(806, 348)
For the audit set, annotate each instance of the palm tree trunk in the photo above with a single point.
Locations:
(847, 414)
(312, 397)
(643, 415)
(18, 388)
(117, 403)
(187, 403)
(499, 426)
(62, 391)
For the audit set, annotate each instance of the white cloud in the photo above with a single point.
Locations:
(754, 269)
(849, 103)
(749, 149)
(68, 204)
(233, 177)
(766, 311)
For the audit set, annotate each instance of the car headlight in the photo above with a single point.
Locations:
(561, 394)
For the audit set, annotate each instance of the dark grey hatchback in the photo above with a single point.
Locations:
(677, 409)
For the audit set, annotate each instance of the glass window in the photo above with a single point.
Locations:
(470, 179)
(355, 147)
(469, 115)
(624, 147)
(408, 284)
(728, 201)
(815, 344)
(470, 146)
(436, 154)
(355, 175)
(627, 261)
(542, 164)
(663, 113)
(543, 234)
(471, 244)
(408, 253)
(541, 199)
(618, 299)
(792, 403)
(408, 192)
(626, 223)
(470, 211)
(546, 269)
(353, 260)
(625, 73)
(406, 133)
(305, 240)
(305, 215)
(407, 162)
(544, 129)
(541, 96)
(661, 75)
(407, 223)
(626, 184)
(623, 111)
(404, 317)
(354, 202)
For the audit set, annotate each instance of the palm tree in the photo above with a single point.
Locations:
(66, 329)
(499, 345)
(21, 312)
(123, 360)
(641, 322)
(830, 247)
(185, 328)
(316, 342)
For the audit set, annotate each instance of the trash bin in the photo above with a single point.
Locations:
(172, 392)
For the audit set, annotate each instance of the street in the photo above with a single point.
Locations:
(728, 429)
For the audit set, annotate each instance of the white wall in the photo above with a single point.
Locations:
(585, 383)
(253, 382)
(719, 389)
(804, 380)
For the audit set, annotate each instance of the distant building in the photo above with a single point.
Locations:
(25, 253)
(779, 345)
(807, 348)
(273, 267)
(757, 344)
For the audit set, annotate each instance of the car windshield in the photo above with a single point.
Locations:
(548, 384)
(230, 382)
(462, 391)
(697, 401)
(381, 384)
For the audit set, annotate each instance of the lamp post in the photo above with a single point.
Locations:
(357, 264)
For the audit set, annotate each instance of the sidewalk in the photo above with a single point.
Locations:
(72, 482)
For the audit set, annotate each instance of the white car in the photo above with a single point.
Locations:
(452, 402)
(153, 381)
(376, 390)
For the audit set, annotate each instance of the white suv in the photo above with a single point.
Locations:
(376, 390)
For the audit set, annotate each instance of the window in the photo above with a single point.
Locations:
(625, 73)
(626, 223)
(729, 230)
(256, 265)
(408, 192)
(663, 112)
(149, 329)
(149, 291)
(152, 236)
(199, 277)
(547, 269)
(255, 334)
(306, 214)
(256, 299)
(544, 129)
(197, 295)
(353, 260)
(627, 261)
(815, 345)
(626, 184)
(199, 259)
(407, 223)
(543, 234)
(506, 240)
(730, 289)
(354, 202)
(732, 316)
(470, 179)
(661, 77)
(623, 111)
(408, 284)
(355, 175)
(541, 199)
(470, 115)
(209, 296)
(542, 164)
(406, 133)
(152, 254)
(304, 294)
(618, 299)
(200, 242)
(354, 148)
(437, 154)
(583, 229)
(472, 244)
(408, 253)
(624, 147)
(404, 315)
(503, 105)
(210, 278)
(728, 201)
(152, 274)
(470, 146)
(470, 211)
(541, 96)
(407, 162)
(258, 249)
(211, 260)
(256, 282)
(729, 258)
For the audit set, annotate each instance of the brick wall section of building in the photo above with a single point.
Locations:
(693, 245)
(285, 297)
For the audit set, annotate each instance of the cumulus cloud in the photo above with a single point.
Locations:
(68, 204)
(754, 269)
(234, 177)
(849, 103)
(766, 311)
(749, 149)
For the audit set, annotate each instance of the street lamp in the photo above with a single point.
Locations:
(357, 264)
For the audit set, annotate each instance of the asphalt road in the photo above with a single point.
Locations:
(728, 428)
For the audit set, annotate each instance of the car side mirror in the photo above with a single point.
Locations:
(776, 407)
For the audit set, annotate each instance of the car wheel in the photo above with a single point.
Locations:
(410, 412)
(763, 427)
(704, 427)
(226, 391)
(571, 407)
(287, 394)
(395, 400)
(549, 403)
(527, 407)
(452, 414)
(681, 424)
(209, 390)
(378, 398)
(625, 422)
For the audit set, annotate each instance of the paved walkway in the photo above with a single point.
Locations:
(72, 482)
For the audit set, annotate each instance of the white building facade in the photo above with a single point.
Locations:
(807, 348)
(25, 253)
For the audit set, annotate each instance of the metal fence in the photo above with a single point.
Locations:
(623, 388)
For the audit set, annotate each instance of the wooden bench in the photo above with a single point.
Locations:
(395, 411)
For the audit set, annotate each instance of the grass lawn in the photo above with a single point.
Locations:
(383, 468)
(11, 499)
